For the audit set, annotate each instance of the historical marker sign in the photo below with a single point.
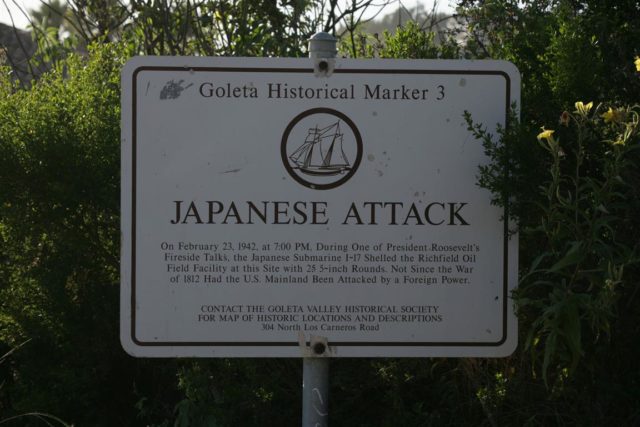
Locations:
(261, 202)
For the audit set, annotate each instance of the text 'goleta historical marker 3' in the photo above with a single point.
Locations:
(262, 202)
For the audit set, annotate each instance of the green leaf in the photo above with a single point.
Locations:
(572, 330)
(549, 351)
(573, 256)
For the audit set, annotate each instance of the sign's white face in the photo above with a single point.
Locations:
(261, 204)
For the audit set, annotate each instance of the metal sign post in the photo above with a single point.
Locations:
(315, 381)
(315, 357)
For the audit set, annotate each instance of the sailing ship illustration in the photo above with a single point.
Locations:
(321, 152)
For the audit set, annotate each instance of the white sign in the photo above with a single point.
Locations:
(262, 203)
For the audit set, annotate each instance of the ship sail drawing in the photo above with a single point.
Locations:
(321, 153)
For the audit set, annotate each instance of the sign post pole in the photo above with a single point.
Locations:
(315, 382)
(315, 363)
(315, 392)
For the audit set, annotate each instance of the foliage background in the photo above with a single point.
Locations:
(575, 195)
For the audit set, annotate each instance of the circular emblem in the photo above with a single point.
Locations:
(321, 148)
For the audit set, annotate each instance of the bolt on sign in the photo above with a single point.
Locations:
(263, 202)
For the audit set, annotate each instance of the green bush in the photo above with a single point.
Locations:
(59, 210)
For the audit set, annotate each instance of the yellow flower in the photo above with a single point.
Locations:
(545, 134)
(611, 115)
(582, 108)
(608, 116)
(637, 62)
(619, 141)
